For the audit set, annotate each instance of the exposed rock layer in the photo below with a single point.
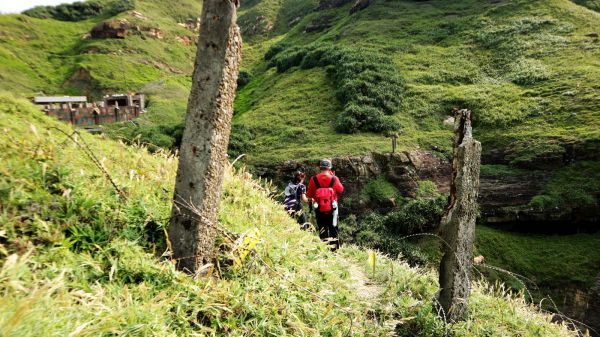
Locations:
(503, 198)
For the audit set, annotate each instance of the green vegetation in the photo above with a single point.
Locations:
(575, 185)
(591, 4)
(79, 11)
(367, 84)
(403, 217)
(551, 262)
(79, 258)
(410, 294)
(380, 191)
(505, 61)
(498, 59)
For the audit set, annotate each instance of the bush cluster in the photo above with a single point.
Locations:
(240, 141)
(416, 216)
(244, 77)
(79, 11)
(386, 232)
(368, 84)
(370, 231)
(380, 191)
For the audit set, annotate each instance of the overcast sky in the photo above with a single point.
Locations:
(17, 6)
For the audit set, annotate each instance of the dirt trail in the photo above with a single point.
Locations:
(369, 291)
(365, 288)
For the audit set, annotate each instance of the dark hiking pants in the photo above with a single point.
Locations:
(327, 232)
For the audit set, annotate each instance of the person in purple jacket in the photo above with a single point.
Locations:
(295, 195)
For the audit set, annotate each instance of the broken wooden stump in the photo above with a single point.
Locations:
(458, 223)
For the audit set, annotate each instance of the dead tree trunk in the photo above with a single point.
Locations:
(203, 152)
(458, 223)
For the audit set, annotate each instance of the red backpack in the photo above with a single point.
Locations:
(324, 196)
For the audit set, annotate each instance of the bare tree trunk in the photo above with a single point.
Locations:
(458, 223)
(203, 152)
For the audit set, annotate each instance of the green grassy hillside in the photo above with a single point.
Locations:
(528, 70)
(48, 56)
(78, 258)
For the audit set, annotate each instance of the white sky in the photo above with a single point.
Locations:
(17, 6)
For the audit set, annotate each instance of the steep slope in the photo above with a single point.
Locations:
(62, 57)
(78, 258)
(528, 70)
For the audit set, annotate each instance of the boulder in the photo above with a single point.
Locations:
(359, 5)
(186, 40)
(155, 33)
(138, 15)
(117, 29)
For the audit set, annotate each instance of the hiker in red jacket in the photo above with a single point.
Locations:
(323, 189)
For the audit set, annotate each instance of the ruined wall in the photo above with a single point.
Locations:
(86, 115)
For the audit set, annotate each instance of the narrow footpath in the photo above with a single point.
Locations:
(369, 291)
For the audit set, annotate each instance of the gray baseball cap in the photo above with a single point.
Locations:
(325, 164)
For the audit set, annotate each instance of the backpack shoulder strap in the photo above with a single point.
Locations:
(316, 181)
(332, 181)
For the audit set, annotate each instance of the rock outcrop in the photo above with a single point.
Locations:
(592, 314)
(191, 24)
(319, 24)
(328, 4)
(504, 197)
(120, 29)
(110, 30)
(404, 170)
(359, 5)
(186, 40)
(251, 25)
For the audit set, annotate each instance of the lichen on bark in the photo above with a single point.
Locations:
(458, 222)
(203, 152)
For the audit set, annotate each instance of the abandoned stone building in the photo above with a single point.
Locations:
(77, 111)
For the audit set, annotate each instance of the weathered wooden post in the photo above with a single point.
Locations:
(203, 152)
(458, 222)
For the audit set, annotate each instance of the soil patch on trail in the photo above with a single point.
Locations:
(370, 292)
(365, 288)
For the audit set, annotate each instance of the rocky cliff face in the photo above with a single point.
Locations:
(504, 198)
(404, 170)
(581, 305)
(592, 314)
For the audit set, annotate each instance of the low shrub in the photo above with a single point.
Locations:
(355, 118)
(244, 77)
(240, 141)
(368, 84)
(79, 11)
(527, 71)
(275, 49)
(380, 191)
(370, 231)
(416, 216)
(575, 185)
